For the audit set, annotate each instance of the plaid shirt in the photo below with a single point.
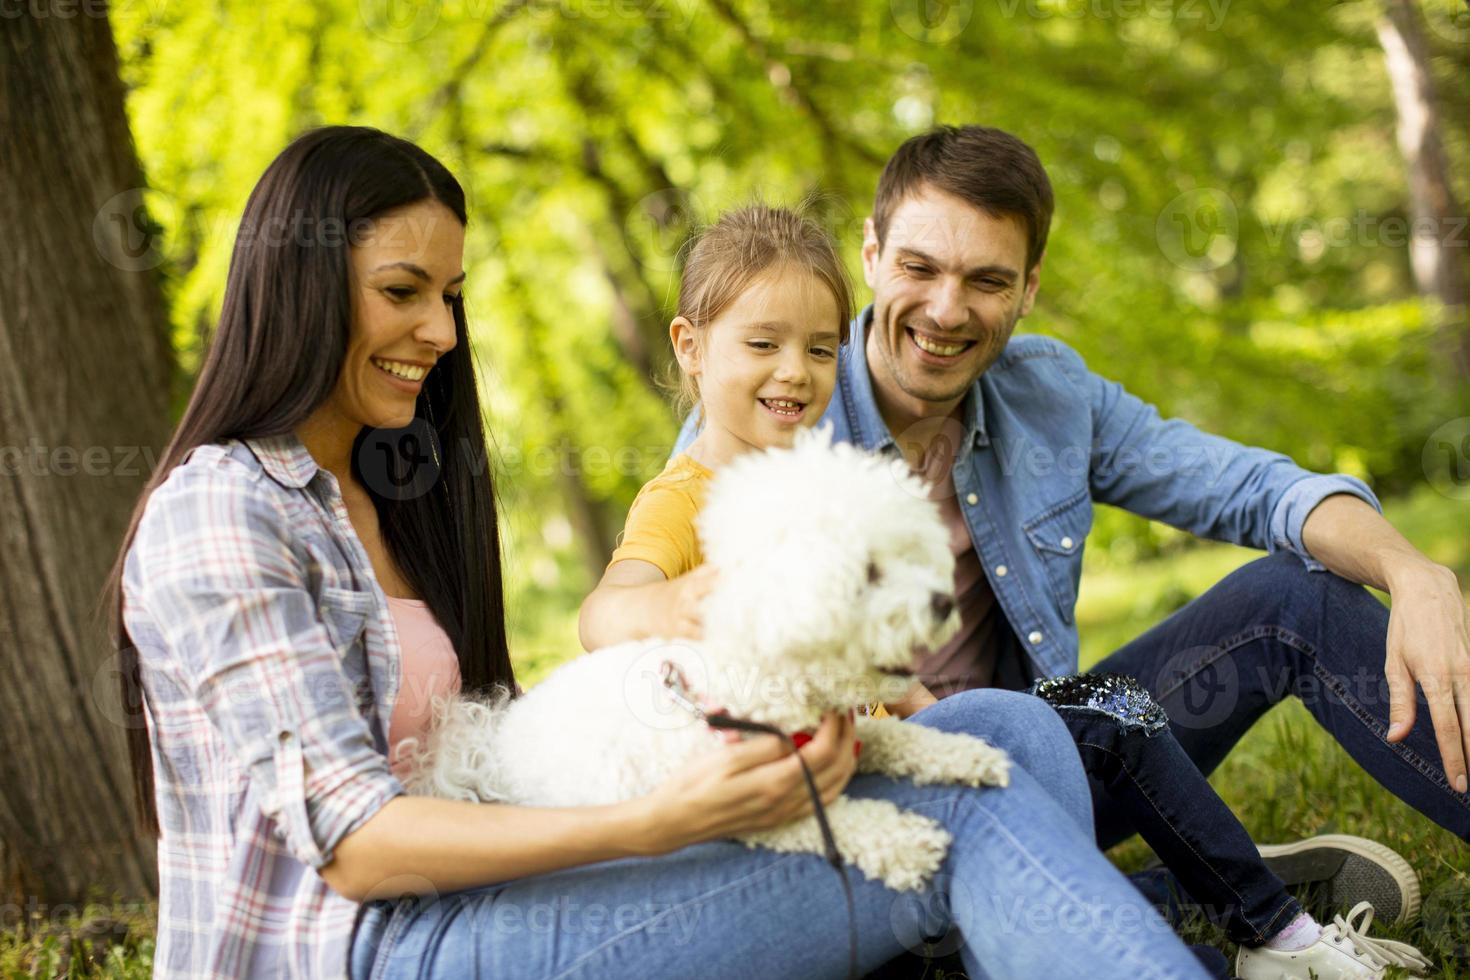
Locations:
(270, 664)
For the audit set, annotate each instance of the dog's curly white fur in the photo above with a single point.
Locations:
(834, 567)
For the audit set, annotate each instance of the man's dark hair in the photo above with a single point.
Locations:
(989, 168)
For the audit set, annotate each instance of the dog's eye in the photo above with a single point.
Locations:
(873, 573)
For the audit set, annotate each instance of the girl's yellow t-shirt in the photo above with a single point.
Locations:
(660, 527)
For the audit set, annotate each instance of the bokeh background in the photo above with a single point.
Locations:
(1232, 223)
(1260, 227)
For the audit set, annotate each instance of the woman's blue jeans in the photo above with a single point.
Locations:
(1023, 892)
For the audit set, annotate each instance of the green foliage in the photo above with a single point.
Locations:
(1226, 175)
(106, 942)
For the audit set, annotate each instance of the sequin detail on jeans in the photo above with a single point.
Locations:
(1117, 695)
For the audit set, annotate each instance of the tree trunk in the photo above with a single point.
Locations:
(1436, 244)
(85, 372)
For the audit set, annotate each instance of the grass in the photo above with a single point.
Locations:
(1287, 779)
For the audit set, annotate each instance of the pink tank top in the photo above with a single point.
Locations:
(427, 667)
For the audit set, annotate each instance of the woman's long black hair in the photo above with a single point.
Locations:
(277, 354)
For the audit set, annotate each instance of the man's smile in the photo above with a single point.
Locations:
(938, 350)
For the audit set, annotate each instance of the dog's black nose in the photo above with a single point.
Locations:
(942, 605)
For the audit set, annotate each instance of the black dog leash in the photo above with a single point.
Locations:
(673, 680)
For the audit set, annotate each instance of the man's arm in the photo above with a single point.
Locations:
(1261, 499)
(1428, 632)
(1168, 470)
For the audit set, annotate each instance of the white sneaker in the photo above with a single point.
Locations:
(1343, 952)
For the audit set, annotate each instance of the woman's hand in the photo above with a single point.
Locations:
(684, 598)
(748, 785)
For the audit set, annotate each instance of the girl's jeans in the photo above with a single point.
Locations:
(1023, 892)
(1142, 772)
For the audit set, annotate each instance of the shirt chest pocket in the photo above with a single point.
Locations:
(345, 614)
(1057, 534)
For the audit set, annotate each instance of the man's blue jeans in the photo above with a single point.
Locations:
(1273, 629)
(1023, 892)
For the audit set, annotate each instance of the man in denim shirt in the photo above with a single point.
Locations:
(1031, 438)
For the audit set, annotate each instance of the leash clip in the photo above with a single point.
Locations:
(678, 688)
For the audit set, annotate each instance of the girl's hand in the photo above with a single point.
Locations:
(749, 785)
(685, 598)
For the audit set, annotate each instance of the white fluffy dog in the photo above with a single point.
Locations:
(834, 567)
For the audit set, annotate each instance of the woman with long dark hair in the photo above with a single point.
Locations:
(318, 555)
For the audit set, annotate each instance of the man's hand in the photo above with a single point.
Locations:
(1428, 640)
(1429, 645)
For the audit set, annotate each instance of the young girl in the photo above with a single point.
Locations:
(278, 605)
(762, 307)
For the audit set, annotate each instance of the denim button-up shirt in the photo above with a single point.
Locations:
(1041, 438)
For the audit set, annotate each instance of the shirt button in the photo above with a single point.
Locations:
(1000, 571)
(1066, 542)
(1035, 637)
(972, 500)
